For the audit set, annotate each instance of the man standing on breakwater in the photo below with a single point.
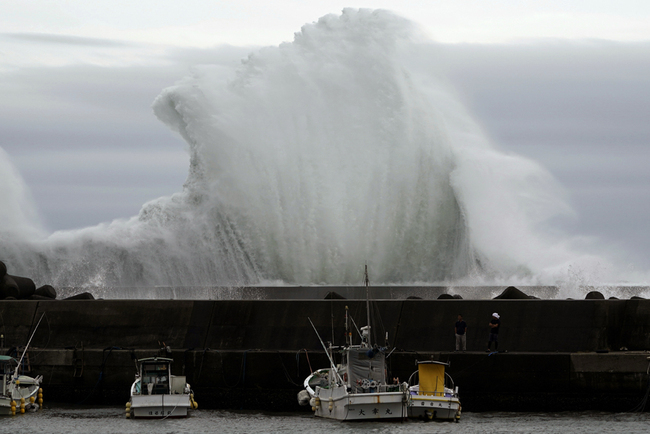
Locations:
(461, 337)
(495, 324)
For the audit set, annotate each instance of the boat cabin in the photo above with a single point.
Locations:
(155, 373)
(7, 369)
(365, 369)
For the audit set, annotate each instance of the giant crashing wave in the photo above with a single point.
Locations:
(339, 149)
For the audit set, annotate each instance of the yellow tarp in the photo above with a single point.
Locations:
(432, 379)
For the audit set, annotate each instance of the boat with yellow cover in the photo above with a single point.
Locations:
(433, 395)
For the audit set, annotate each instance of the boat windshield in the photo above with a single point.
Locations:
(155, 378)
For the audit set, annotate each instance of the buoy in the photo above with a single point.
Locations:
(193, 404)
(13, 407)
(40, 397)
(32, 399)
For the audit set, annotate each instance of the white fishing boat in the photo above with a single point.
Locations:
(19, 393)
(157, 394)
(433, 395)
(356, 388)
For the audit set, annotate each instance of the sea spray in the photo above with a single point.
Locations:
(339, 149)
(18, 215)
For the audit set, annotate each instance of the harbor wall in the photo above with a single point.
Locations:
(554, 354)
(413, 325)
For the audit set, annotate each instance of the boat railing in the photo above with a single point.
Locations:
(449, 384)
(431, 393)
(382, 388)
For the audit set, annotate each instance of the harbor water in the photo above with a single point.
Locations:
(74, 419)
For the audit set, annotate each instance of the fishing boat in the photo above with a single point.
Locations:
(18, 393)
(433, 395)
(356, 388)
(157, 394)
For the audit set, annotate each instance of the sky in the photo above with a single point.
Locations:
(565, 83)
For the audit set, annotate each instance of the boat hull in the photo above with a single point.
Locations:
(28, 390)
(160, 406)
(5, 406)
(434, 407)
(338, 404)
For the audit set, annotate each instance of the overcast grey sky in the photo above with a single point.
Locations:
(565, 83)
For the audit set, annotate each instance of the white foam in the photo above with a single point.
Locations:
(318, 156)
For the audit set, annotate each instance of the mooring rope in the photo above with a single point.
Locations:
(311, 371)
(286, 371)
(101, 373)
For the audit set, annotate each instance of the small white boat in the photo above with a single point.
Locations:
(433, 396)
(356, 388)
(18, 393)
(157, 394)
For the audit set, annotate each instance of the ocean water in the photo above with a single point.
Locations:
(76, 420)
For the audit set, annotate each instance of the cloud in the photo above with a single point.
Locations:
(580, 109)
(50, 38)
(85, 140)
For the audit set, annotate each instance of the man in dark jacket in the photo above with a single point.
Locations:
(495, 324)
(461, 329)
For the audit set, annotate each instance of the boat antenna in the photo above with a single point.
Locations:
(357, 328)
(367, 282)
(332, 318)
(27, 346)
(326, 352)
(348, 335)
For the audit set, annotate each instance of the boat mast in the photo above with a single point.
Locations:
(348, 335)
(27, 346)
(327, 353)
(368, 303)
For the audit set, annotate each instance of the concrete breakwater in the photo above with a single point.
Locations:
(555, 354)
